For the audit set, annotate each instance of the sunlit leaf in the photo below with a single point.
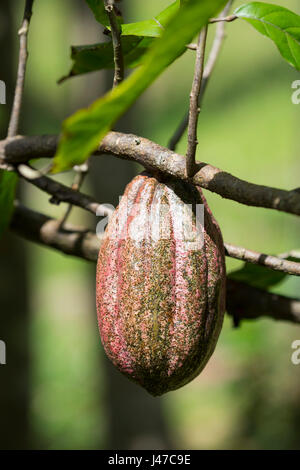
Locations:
(277, 23)
(154, 27)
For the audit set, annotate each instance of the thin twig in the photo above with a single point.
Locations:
(226, 19)
(272, 262)
(81, 172)
(208, 70)
(215, 50)
(23, 56)
(116, 40)
(194, 104)
(156, 158)
(60, 192)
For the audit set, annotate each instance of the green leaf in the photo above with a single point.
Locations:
(100, 56)
(152, 28)
(277, 23)
(97, 7)
(167, 14)
(136, 40)
(257, 276)
(149, 28)
(8, 183)
(83, 131)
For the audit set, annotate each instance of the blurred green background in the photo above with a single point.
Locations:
(248, 397)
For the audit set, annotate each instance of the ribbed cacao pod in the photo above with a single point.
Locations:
(161, 292)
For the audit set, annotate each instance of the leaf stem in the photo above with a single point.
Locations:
(226, 19)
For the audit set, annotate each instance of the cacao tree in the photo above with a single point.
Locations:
(160, 306)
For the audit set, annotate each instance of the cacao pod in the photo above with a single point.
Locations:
(160, 299)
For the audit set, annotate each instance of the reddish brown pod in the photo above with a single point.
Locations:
(161, 284)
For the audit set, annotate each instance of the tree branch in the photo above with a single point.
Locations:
(23, 149)
(247, 302)
(160, 159)
(194, 104)
(23, 56)
(116, 41)
(243, 301)
(39, 228)
(272, 262)
(62, 193)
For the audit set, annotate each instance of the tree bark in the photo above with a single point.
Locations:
(14, 311)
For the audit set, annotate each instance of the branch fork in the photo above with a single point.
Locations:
(17, 151)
